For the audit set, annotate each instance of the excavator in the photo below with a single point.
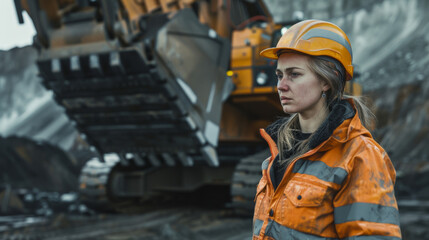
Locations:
(169, 93)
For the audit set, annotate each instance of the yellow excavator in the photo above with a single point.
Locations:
(170, 93)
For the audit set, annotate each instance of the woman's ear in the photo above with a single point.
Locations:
(325, 86)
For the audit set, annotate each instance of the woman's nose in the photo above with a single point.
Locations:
(282, 84)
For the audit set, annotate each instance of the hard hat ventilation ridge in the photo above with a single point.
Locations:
(323, 33)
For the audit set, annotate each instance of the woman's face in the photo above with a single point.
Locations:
(299, 89)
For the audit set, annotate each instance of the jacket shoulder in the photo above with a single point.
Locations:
(364, 152)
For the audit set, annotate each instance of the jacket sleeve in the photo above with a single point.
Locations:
(366, 205)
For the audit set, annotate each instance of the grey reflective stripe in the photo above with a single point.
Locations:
(323, 33)
(367, 212)
(277, 231)
(373, 237)
(265, 164)
(257, 225)
(320, 170)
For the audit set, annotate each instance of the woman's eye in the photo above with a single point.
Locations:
(279, 77)
(294, 74)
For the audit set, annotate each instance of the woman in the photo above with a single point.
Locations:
(326, 178)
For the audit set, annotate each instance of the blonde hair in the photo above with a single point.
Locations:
(325, 71)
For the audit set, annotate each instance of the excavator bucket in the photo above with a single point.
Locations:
(157, 100)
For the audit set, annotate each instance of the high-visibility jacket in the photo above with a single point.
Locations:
(341, 189)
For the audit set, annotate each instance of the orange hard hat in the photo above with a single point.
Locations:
(316, 38)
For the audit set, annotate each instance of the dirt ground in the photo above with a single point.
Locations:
(174, 223)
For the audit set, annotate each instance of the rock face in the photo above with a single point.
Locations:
(393, 55)
(324, 10)
(27, 164)
(18, 83)
(27, 108)
(38, 145)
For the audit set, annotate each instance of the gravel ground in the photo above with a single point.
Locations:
(174, 223)
(167, 224)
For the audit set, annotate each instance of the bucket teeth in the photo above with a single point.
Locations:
(94, 66)
(210, 155)
(56, 69)
(168, 159)
(185, 159)
(116, 64)
(138, 160)
(154, 160)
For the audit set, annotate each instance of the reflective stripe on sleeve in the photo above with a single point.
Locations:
(320, 170)
(278, 231)
(368, 212)
(257, 225)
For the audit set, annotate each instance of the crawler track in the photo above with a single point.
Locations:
(246, 177)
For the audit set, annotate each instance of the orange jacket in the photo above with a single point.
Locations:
(342, 189)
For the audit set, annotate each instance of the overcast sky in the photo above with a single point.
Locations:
(12, 34)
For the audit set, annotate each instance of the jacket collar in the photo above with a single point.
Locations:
(342, 124)
(349, 127)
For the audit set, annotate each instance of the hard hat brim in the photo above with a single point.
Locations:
(271, 53)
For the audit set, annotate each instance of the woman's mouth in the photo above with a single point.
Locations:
(285, 99)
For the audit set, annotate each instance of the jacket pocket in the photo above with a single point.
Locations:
(306, 206)
(304, 194)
